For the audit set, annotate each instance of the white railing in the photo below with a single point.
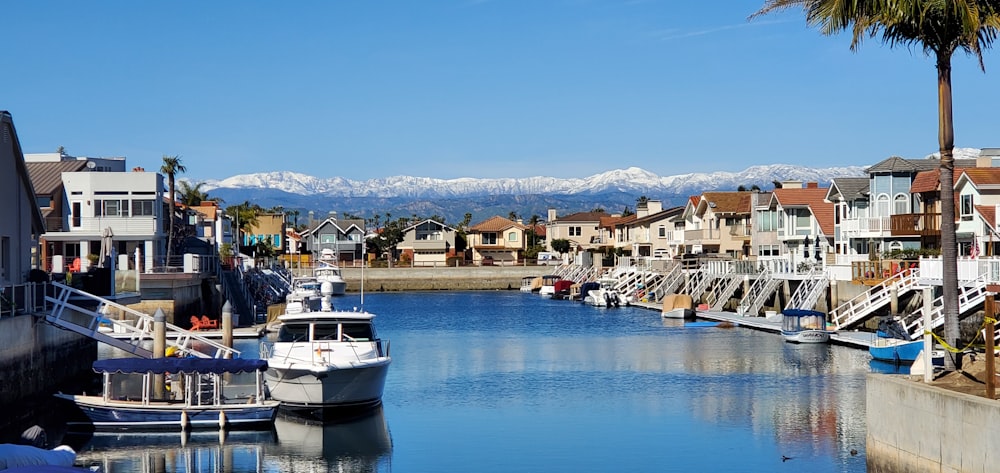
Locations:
(121, 226)
(22, 299)
(969, 269)
(865, 303)
(809, 291)
(760, 290)
(970, 296)
(867, 226)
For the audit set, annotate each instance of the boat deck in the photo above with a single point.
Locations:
(848, 338)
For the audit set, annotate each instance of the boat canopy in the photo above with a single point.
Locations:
(178, 365)
(803, 313)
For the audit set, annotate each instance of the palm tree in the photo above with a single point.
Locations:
(939, 27)
(171, 167)
(192, 196)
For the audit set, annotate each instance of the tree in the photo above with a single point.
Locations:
(642, 200)
(171, 167)
(597, 209)
(940, 28)
(627, 211)
(512, 216)
(560, 245)
(244, 215)
(192, 196)
(533, 223)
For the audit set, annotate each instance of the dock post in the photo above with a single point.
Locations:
(928, 342)
(227, 324)
(159, 350)
(990, 328)
(893, 299)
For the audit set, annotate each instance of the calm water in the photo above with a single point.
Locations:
(510, 382)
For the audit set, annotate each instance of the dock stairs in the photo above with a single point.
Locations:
(88, 322)
(809, 291)
(971, 295)
(762, 288)
(864, 304)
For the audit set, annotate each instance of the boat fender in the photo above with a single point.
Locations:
(222, 420)
(184, 420)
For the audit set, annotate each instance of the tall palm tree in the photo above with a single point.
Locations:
(940, 28)
(171, 167)
(192, 196)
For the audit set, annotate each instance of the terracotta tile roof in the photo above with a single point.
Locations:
(814, 199)
(495, 224)
(611, 222)
(981, 176)
(929, 181)
(46, 177)
(728, 202)
(988, 214)
(581, 217)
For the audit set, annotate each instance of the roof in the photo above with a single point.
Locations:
(727, 202)
(930, 181)
(209, 211)
(343, 226)
(581, 217)
(815, 199)
(897, 164)
(850, 188)
(988, 214)
(661, 215)
(430, 221)
(495, 224)
(981, 176)
(38, 225)
(46, 177)
(610, 222)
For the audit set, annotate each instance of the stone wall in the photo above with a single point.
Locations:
(913, 428)
(442, 278)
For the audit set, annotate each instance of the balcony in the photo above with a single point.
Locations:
(928, 224)
(867, 227)
(740, 232)
(703, 236)
(430, 245)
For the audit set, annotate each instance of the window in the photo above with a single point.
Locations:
(142, 208)
(111, 208)
(76, 214)
(512, 236)
(489, 238)
(966, 205)
(882, 206)
(428, 231)
(575, 231)
(802, 222)
(662, 231)
(900, 205)
(43, 201)
(768, 250)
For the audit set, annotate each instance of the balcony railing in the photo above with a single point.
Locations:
(928, 224)
(740, 231)
(865, 227)
(703, 235)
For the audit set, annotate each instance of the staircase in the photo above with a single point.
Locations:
(809, 291)
(698, 282)
(669, 282)
(725, 289)
(87, 322)
(761, 289)
(970, 296)
(862, 305)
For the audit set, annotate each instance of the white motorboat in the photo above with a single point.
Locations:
(331, 274)
(678, 306)
(548, 288)
(804, 326)
(605, 294)
(326, 359)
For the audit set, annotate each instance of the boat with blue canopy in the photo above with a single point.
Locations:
(804, 326)
(177, 394)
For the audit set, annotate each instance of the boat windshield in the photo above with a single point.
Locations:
(362, 332)
(292, 332)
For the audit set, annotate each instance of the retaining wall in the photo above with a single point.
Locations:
(442, 278)
(913, 428)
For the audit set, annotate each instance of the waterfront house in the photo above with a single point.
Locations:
(84, 203)
(614, 233)
(498, 240)
(977, 193)
(582, 229)
(268, 229)
(21, 224)
(428, 243)
(654, 232)
(345, 237)
(719, 223)
(804, 222)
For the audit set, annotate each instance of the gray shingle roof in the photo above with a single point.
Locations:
(897, 164)
(850, 188)
(46, 177)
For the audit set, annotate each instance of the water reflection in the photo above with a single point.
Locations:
(360, 444)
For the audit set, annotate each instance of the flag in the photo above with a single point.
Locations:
(975, 248)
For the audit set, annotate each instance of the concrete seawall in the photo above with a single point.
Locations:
(917, 428)
(442, 278)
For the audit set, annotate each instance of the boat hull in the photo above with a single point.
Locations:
(807, 336)
(889, 349)
(170, 416)
(679, 313)
(332, 387)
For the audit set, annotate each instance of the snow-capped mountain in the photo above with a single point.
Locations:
(630, 180)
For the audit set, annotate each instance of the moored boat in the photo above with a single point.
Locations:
(804, 326)
(548, 288)
(197, 398)
(326, 359)
(678, 306)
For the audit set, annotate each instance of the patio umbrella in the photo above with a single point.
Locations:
(106, 244)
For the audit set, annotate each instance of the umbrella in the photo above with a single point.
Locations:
(106, 244)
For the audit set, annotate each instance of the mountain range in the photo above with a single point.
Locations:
(451, 199)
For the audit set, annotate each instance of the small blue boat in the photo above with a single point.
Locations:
(197, 397)
(895, 350)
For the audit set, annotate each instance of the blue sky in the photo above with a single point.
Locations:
(469, 88)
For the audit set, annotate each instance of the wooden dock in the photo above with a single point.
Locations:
(849, 338)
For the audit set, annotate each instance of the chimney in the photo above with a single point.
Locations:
(552, 215)
(791, 184)
(812, 185)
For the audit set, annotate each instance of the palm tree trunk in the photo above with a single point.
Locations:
(949, 246)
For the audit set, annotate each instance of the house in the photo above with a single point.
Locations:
(651, 232)
(346, 237)
(721, 224)
(428, 243)
(614, 232)
(977, 193)
(804, 221)
(582, 229)
(497, 239)
(268, 229)
(21, 224)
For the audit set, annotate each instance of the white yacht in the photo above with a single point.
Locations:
(326, 358)
(331, 274)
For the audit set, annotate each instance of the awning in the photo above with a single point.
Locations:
(178, 365)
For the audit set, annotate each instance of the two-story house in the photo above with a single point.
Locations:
(497, 240)
(345, 237)
(21, 223)
(804, 222)
(652, 232)
(721, 222)
(977, 195)
(582, 229)
(428, 243)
